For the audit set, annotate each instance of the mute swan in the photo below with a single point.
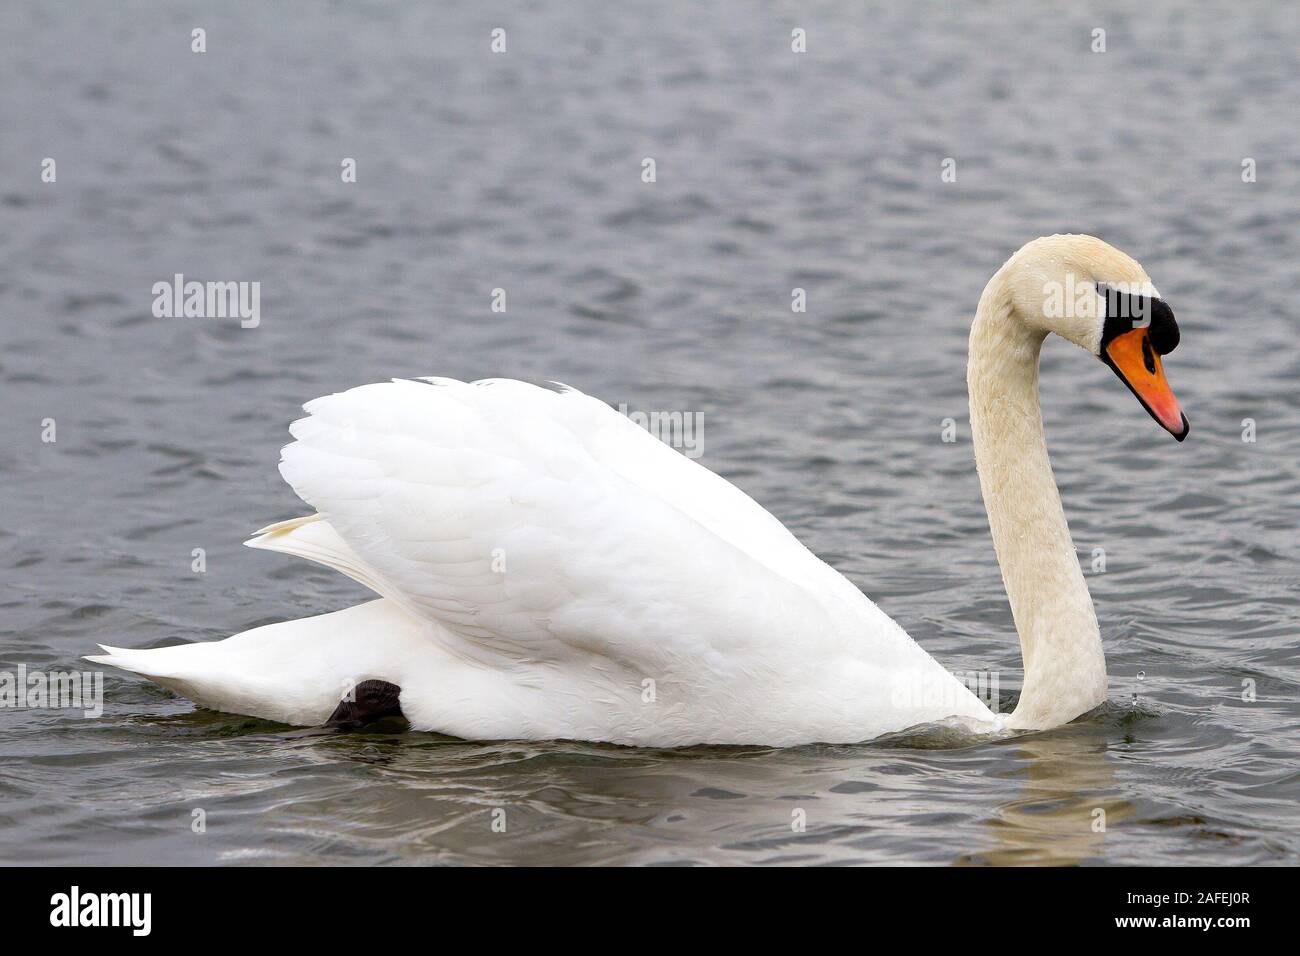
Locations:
(547, 569)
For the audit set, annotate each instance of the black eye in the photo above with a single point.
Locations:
(1148, 357)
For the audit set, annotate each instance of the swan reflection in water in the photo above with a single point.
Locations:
(414, 797)
(1065, 806)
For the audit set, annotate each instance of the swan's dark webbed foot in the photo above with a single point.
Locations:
(372, 700)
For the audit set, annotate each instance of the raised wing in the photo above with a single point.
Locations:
(538, 524)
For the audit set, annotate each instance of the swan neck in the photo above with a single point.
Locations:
(1065, 671)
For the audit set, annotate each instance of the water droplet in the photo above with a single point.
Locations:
(1142, 675)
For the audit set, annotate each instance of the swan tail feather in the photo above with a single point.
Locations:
(284, 527)
(294, 672)
(144, 662)
(314, 538)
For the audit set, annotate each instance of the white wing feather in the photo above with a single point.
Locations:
(433, 485)
(548, 534)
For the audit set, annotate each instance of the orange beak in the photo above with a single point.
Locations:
(1138, 364)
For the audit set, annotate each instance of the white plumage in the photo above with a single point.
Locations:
(547, 569)
(550, 570)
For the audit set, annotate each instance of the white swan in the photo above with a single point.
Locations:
(547, 569)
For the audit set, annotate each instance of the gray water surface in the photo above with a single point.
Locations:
(775, 170)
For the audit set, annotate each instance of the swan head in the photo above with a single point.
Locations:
(1102, 300)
